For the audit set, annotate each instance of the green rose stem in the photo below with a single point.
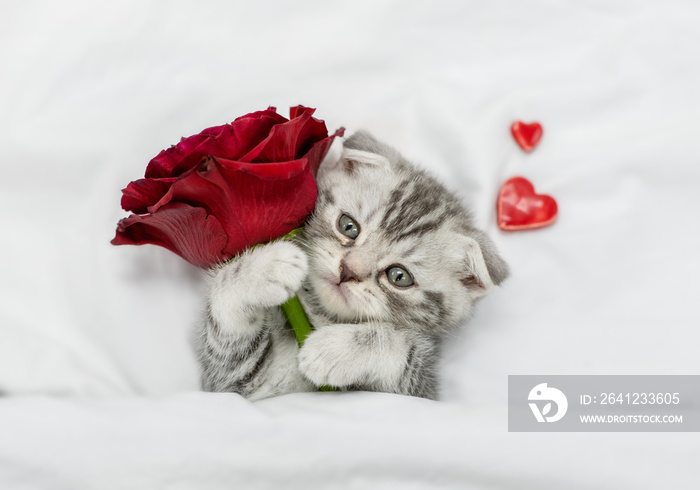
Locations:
(301, 327)
(294, 312)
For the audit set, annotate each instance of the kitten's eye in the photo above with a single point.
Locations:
(348, 227)
(399, 277)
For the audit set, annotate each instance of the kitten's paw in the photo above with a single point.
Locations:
(266, 276)
(276, 273)
(330, 356)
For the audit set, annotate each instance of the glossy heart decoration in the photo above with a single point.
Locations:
(526, 135)
(520, 208)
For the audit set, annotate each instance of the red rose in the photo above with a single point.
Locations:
(228, 188)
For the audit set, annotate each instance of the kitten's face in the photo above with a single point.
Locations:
(385, 244)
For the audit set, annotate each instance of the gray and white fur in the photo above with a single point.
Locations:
(369, 332)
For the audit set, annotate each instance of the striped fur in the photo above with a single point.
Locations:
(369, 334)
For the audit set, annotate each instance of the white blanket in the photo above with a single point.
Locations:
(94, 340)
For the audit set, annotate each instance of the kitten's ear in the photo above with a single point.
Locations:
(484, 267)
(363, 141)
(352, 161)
(497, 267)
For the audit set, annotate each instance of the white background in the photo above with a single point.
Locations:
(94, 339)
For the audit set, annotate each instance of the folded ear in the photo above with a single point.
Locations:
(497, 267)
(362, 140)
(353, 160)
(483, 267)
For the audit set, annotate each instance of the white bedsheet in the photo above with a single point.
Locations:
(94, 339)
(357, 440)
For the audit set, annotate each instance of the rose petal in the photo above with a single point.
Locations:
(266, 171)
(244, 134)
(183, 229)
(142, 193)
(264, 207)
(320, 149)
(162, 165)
(269, 112)
(288, 141)
(227, 141)
(299, 110)
(254, 203)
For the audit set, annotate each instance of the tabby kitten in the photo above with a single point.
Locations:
(389, 262)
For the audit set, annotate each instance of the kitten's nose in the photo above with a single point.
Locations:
(347, 274)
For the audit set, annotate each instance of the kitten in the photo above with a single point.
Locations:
(388, 263)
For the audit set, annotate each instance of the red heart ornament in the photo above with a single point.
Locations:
(520, 208)
(526, 135)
